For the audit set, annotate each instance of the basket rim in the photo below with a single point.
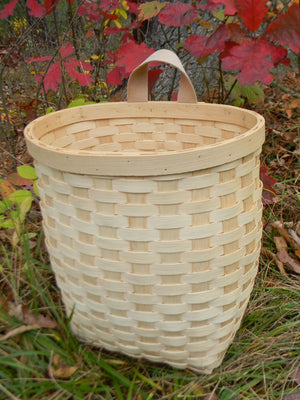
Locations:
(144, 163)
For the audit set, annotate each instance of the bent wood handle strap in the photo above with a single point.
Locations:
(137, 88)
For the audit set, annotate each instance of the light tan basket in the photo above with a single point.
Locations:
(152, 217)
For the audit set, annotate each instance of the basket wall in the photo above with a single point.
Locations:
(159, 267)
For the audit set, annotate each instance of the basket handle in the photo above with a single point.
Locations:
(137, 88)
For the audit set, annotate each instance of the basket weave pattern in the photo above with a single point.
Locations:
(158, 267)
(141, 134)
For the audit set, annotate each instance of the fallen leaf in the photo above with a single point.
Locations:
(211, 396)
(292, 396)
(6, 188)
(296, 375)
(60, 369)
(284, 256)
(268, 253)
(289, 107)
(40, 320)
(22, 313)
(268, 183)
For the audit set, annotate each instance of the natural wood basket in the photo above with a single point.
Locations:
(152, 217)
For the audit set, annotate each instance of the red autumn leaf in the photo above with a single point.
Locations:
(196, 45)
(278, 54)
(111, 31)
(36, 9)
(227, 49)
(109, 5)
(131, 54)
(49, 5)
(66, 49)
(285, 29)
(8, 9)
(251, 12)
(250, 57)
(83, 78)
(268, 183)
(84, 65)
(35, 59)
(133, 7)
(236, 33)
(90, 10)
(114, 77)
(201, 46)
(93, 10)
(177, 14)
(153, 76)
(53, 77)
(108, 16)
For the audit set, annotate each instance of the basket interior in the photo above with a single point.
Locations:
(153, 131)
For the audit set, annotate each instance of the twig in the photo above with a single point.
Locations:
(18, 331)
(230, 90)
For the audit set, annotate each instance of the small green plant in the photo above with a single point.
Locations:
(244, 94)
(80, 101)
(17, 202)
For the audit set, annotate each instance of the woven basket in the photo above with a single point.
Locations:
(152, 218)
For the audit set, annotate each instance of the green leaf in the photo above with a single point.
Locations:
(80, 102)
(3, 207)
(27, 171)
(77, 102)
(220, 15)
(253, 93)
(35, 188)
(239, 93)
(20, 195)
(50, 110)
(25, 207)
(8, 224)
(150, 9)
